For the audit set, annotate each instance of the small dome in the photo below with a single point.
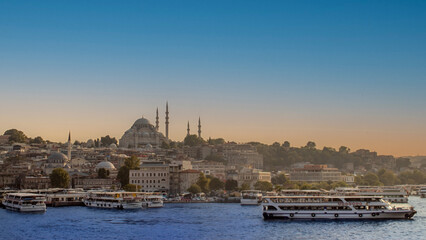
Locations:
(106, 165)
(113, 146)
(57, 157)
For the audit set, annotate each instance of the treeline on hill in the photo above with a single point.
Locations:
(282, 156)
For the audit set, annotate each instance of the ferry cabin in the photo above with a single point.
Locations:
(251, 197)
(25, 202)
(332, 207)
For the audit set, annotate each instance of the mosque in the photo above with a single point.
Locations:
(143, 134)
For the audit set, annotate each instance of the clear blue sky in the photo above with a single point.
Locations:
(336, 72)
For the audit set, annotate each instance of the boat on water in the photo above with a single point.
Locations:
(251, 197)
(25, 202)
(153, 201)
(66, 198)
(422, 192)
(113, 200)
(333, 207)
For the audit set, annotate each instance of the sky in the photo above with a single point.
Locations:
(337, 73)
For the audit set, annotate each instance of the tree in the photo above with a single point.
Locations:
(165, 145)
(77, 143)
(215, 158)
(37, 140)
(344, 149)
(402, 163)
(286, 145)
(192, 140)
(245, 186)
(371, 179)
(133, 163)
(263, 186)
(16, 136)
(59, 178)
(107, 140)
(216, 184)
(217, 141)
(123, 175)
(194, 189)
(203, 182)
(103, 173)
(231, 185)
(279, 179)
(311, 145)
(387, 177)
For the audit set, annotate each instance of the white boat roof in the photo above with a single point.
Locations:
(334, 197)
(25, 195)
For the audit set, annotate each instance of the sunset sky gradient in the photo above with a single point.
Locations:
(337, 73)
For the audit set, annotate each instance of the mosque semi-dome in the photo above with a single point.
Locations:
(106, 165)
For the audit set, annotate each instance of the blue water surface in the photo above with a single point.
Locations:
(199, 221)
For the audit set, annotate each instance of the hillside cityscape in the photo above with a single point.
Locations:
(192, 165)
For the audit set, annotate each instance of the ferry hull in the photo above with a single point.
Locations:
(19, 208)
(248, 202)
(109, 205)
(402, 214)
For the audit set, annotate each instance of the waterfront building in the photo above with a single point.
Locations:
(212, 168)
(187, 178)
(34, 182)
(153, 176)
(252, 175)
(316, 173)
(94, 183)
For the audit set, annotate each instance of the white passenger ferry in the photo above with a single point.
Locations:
(251, 197)
(422, 192)
(25, 202)
(332, 207)
(153, 201)
(114, 200)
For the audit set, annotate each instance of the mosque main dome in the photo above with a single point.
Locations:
(141, 134)
(57, 157)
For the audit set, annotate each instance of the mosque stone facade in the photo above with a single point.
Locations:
(142, 135)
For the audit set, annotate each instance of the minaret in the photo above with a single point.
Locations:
(157, 123)
(199, 127)
(167, 120)
(187, 130)
(69, 146)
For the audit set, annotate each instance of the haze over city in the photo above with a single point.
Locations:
(336, 73)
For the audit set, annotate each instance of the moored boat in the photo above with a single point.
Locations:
(332, 207)
(251, 197)
(25, 202)
(113, 200)
(422, 192)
